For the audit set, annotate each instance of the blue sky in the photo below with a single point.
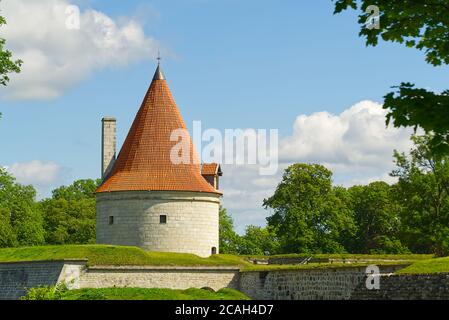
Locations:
(230, 64)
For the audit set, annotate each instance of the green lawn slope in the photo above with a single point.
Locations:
(350, 256)
(55, 293)
(123, 256)
(115, 255)
(321, 266)
(437, 265)
(152, 294)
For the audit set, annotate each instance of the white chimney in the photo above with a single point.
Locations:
(108, 145)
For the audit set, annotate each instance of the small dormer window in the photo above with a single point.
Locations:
(163, 219)
(211, 173)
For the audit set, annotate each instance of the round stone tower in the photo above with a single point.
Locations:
(147, 199)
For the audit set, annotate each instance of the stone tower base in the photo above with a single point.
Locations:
(165, 221)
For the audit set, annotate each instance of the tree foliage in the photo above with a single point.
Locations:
(229, 239)
(423, 25)
(423, 191)
(412, 215)
(308, 216)
(415, 107)
(258, 241)
(8, 237)
(78, 190)
(69, 216)
(376, 217)
(20, 216)
(66, 218)
(7, 65)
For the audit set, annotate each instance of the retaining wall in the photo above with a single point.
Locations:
(313, 284)
(16, 277)
(407, 287)
(160, 277)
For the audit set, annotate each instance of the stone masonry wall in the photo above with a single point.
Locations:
(317, 284)
(192, 221)
(163, 277)
(410, 287)
(15, 278)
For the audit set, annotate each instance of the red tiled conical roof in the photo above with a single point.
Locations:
(144, 161)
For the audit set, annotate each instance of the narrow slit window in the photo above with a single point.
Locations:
(111, 220)
(163, 219)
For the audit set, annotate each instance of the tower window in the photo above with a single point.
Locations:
(163, 219)
(111, 220)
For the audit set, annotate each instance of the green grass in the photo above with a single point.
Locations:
(437, 265)
(122, 256)
(62, 293)
(351, 256)
(312, 266)
(152, 294)
(365, 260)
(115, 255)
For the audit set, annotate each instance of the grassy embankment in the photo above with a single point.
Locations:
(122, 256)
(437, 265)
(343, 260)
(49, 293)
(350, 256)
(115, 255)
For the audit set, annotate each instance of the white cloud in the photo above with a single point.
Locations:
(56, 57)
(244, 186)
(367, 180)
(355, 139)
(35, 172)
(44, 176)
(355, 145)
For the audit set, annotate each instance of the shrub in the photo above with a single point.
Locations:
(46, 292)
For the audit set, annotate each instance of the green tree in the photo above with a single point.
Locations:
(308, 216)
(229, 239)
(17, 204)
(376, 216)
(28, 225)
(69, 216)
(78, 190)
(423, 25)
(258, 241)
(6, 64)
(8, 237)
(423, 191)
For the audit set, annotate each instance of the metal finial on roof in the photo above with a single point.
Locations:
(159, 75)
(158, 58)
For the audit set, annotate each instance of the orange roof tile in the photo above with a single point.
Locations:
(208, 169)
(144, 160)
